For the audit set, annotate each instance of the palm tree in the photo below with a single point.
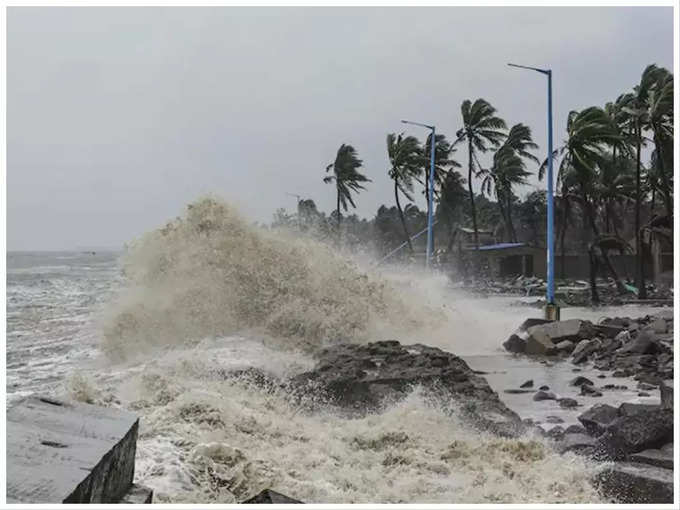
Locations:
(509, 170)
(404, 155)
(583, 154)
(346, 176)
(451, 202)
(481, 128)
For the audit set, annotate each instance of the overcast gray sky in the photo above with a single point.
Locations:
(117, 117)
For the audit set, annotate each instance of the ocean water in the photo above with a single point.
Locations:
(156, 328)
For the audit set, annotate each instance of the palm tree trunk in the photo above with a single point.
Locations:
(501, 209)
(472, 195)
(401, 216)
(639, 258)
(668, 203)
(338, 212)
(513, 234)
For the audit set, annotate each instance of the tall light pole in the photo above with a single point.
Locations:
(429, 249)
(551, 309)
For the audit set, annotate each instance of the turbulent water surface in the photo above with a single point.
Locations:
(156, 329)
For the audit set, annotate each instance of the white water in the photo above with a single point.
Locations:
(208, 293)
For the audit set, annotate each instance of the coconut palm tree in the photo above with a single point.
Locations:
(481, 129)
(346, 177)
(405, 159)
(583, 154)
(451, 203)
(509, 170)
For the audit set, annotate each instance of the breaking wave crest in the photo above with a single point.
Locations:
(209, 273)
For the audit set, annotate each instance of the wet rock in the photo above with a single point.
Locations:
(544, 388)
(554, 419)
(666, 396)
(528, 384)
(643, 394)
(575, 429)
(342, 378)
(544, 395)
(608, 330)
(567, 403)
(658, 326)
(514, 391)
(596, 419)
(515, 343)
(633, 482)
(539, 343)
(565, 346)
(640, 431)
(577, 443)
(644, 343)
(580, 381)
(631, 409)
(623, 337)
(588, 390)
(543, 338)
(270, 497)
(556, 433)
(575, 369)
(614, 387)
(661, 458)
(646, 386)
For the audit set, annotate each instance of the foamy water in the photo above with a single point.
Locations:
(208, 294)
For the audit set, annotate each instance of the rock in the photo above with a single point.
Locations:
(516, 391)
(554, 419)
(544, 395)
(623, 337)
(658, 325)
(580, 381)
(556, 433)
(580, 347)
(608, 330)
(575, 369)
(596, 419)
(643, 394)
(666, 314)
(528, 384)
(614, 387)
(360, 379)
(588, 390)
(587, 349)
(601, 376)
(575, 429)
(565, 346)
(270, 497)
(137, 495)
(544, 388)
(515, 343)
(577, 443)
(646, 386)
(567, 403)
(666, 396)
(644, 343)
(539, 343)
(632, 482)
(660, 458)
(634, 433)
(631, 409)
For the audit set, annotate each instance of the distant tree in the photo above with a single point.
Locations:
(481, 129)
(404, 156)
(346, 177)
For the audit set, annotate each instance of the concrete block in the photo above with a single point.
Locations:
(137, 495)
(69, 452)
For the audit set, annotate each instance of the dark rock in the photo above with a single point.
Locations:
(580, 381)
(341, 378)
(539, 343)
(632, 482)
(575, 429)
(596, 419)
(528, 384)
(658, 326)
(608, 330)
(645, 386)
(567, 403)
(544, 388)
(270, 497)
(565, 346)
(643, 394)
(588, 390)
(575, 369)
(634, 433)
(554, 419)
(614, 387)
(631, 409)
(661, 458)
(601, 376)
(515, 343)
(666, 396)
(544, 395)
(556, 433)
(644, 343)
(577, 443)
(516, 391)
(580, 347)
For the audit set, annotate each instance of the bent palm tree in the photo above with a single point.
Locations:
(481, 129)
(346, 176)
(404, 155)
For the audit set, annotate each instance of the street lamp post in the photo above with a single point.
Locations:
(552, 311)
(429, 249)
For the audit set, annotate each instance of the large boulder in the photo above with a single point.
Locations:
(645, 343)
(517, 342)
(596, 419)
(633, 482)
(363, 378)
(637, 432)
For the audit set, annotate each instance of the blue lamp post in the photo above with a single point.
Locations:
(551, 309)
(429, 249)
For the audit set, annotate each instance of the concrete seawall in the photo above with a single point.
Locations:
(68, 452)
